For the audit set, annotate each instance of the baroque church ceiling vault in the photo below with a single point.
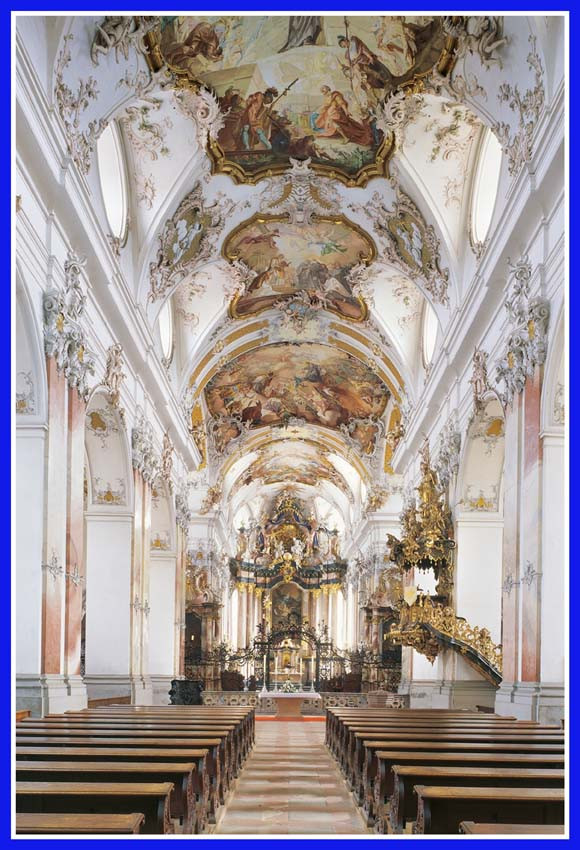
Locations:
(300, 193)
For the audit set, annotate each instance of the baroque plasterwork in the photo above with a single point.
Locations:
(528, 322)
(102, 423)
(120, 34)
(447, 460)
(144, 456)
(408, 242)
(527, 109)
(25, 395)
(114, 375)
(188, 240)
(71, 104)
(64, 335)
(106, 494)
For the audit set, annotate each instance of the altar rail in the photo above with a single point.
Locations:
(267, 705)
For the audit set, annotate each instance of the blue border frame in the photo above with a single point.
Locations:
(5, 355)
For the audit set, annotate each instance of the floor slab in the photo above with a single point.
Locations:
(290, 785)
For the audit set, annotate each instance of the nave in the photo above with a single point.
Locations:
(192, 770)
(290, 784)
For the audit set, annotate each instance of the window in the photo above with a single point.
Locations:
(430, 326)
(485, 186)
(112, 175)
(166, 330)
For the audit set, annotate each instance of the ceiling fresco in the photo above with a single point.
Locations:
(301, 86)
(297, 354)
(317, 384)
(310, 260)
(289, 461)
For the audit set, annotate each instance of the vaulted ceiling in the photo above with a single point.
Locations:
(299, 193)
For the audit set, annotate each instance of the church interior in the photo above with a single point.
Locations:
(290, 390)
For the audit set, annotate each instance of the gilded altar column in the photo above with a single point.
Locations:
(145, 471)
(74, 574)
(180, 574)
(242, 597)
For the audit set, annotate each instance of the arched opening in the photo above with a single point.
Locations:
(108, 551)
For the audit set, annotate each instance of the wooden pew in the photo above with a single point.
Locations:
(246, 715)
(351, 761)
(441, 809)
(212, 745)
(37, 823)
(363, 768)
(239, 747)
(183, 803)
(383, 785)
(335, 717)
(138, 737)
(243, 719)
(116, 755)
(152, 799)
(403, 802)
(467, 827)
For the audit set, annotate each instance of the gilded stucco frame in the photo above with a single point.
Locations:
(222, 165)
(263, 218)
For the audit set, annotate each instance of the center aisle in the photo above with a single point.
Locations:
(290, 785)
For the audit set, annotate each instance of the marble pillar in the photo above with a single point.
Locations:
(531, 530)
(54, 554)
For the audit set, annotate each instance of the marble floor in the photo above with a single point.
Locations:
(290, 785)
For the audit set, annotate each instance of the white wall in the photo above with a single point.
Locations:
(553, 622)
(108, 588)
(162, 615)
(478, 573)
(29, 537)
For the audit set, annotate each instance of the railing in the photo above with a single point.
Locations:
(267, 705)
(426, 627)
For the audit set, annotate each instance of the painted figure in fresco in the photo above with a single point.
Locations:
(365, 64)
(302, 29)
(203, 40)
(334, 119)
(232, 105)
(397, 43)
(256, 119)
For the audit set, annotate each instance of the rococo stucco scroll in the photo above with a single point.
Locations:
(183, 514)
(70, 104)
(410, 243)
(526, 345)
(447, 462)
(64, 336)
(120, 33)
(188, 240)
(144, 456)
(114, 375)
